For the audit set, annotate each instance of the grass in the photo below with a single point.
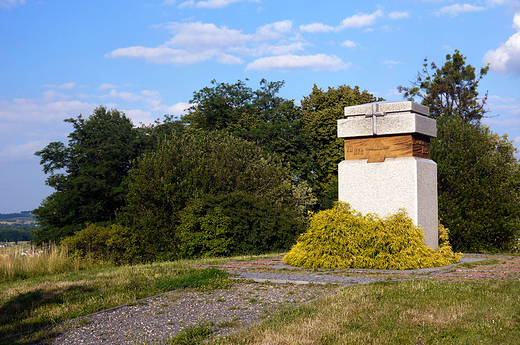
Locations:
(25, 261)
(29, 304)
(206, 279)
(193, 335)
(421, 311)
(413, 312)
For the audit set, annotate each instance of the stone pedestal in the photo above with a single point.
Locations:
(387, 162)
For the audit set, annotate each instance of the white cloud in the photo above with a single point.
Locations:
(139, 116)
(197, 42)
(13, 153)
(284, 49)
(391, 63)
(398, 15)
(127, 96)
(11, 3)
(107, 86)
(506, 58)
(202, 37)
(273, 31)
(349, 44)
(176, 109)
(319, 62)
(316, 27)
(50, 110)
(515, 4)
(68, 86)
(151, 97)
(189, 3)
(456, 9)
(207, 3)
(360, 20)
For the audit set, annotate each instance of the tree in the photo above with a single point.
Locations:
(321, 110)
(233, 107)
(188, 182)
(258, 116)
(88, 174)
(450, 89)
(479, 186)
(478, 175)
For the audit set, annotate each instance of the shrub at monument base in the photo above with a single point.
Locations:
(341, 238)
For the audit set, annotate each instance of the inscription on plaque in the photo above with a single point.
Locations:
(377, 149)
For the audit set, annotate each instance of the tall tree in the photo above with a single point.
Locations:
(258, 116)
(478, 175)
(479, 186)
(88, 174)
(321, 110)
(451, 88)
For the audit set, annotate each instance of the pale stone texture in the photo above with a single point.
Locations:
(404, 182)
(386, 187)
(400, 118)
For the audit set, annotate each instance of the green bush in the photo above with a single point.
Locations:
(236, 223)
(341, 238)
(198, 191)
(114, 244)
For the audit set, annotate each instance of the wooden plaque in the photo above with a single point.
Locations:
(377, 149)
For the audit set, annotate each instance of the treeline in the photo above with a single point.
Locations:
(9, 233)
(13, 217)
(240, 170)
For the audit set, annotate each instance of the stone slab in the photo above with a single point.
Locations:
(392, 123)
(388, 107)
(385, 187)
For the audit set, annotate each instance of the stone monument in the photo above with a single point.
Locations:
(387, 162)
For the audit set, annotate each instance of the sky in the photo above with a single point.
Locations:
(60, 59)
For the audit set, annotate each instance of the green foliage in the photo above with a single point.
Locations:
(206, 279)
(479, 186)
(450, 89)
(192, 335)
(200, 171)
(478, 175)
(321, 110)
(10, 233)
(342, 238)
(88, 174)
(236, 223)
(114, 244)
(258, 116)
(233, 107)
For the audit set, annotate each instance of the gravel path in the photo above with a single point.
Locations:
(156, 319)
(265, 286)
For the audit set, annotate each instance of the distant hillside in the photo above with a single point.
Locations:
(16, 227)
(24, 217)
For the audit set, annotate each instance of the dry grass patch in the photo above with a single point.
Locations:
(413, 312)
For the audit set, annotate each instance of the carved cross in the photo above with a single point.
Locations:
(374, 114)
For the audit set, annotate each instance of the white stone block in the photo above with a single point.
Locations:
(385, 187)
(388, 107)
(405, 123)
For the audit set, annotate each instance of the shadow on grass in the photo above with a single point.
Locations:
(18, 314)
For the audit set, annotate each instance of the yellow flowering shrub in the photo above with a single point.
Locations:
(341, 238)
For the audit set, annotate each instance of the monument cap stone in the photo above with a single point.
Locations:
(386, 118)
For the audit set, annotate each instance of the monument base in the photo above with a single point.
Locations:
(385, 187)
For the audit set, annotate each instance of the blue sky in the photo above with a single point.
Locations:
(60, 59)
